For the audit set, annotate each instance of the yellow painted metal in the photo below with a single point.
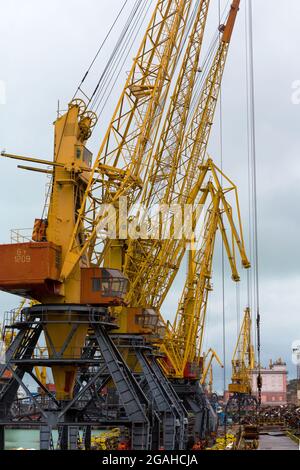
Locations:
(79, 167)
(30, 159)
(208, 370)
(69, 185)
(183, 343)
(150, 287)
(128, 165)
(119, 169)
(7, 335)
(130, 138)
(41, 372)
(72, 130)
(243, 360)
(71, 167)
(37, 170)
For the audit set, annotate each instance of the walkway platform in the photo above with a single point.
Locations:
(276, 441)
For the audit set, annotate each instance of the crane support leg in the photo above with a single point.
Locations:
(241, 405)
(176, 403)
(204, 418)
(98, 364)
(130, 394)
(22, 348)
(162, 403)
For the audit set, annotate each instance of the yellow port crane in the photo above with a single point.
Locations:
(69, 236)
(184, 182)
(136, 254)
(72, 266)
(208, 369)
(243, 359)
(123, 158)
(150, 287)
(183, 342)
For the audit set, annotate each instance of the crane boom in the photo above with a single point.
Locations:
(165, 256)
(211, 354)
(167, 153)
(122, 160)
(196, 140)
(243, 359)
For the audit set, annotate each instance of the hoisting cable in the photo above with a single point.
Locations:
(222, 248)
(101, 47)
(250, 192)
(131, 16)
(254, 180)
(120, 59)
(122, 54)
(119, 51)
(238, 309)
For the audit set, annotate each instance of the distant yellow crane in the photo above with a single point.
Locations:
(243, 360)
(208, 368)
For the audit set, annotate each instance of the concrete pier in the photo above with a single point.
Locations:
(276, 441)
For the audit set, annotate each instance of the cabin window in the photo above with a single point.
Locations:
(109, 286)
(96, 284)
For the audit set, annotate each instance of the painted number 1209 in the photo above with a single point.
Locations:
(22, 257)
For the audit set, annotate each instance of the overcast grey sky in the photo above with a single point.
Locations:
(45, 50)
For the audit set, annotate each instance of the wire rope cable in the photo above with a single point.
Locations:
(222, 248)
(101, 46)
(252, 115)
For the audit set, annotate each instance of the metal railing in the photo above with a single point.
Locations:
(21, 235)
